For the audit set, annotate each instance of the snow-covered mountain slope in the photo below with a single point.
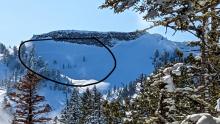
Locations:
(83, 62)
(86, 60)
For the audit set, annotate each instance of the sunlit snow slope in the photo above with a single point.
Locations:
(92, 62)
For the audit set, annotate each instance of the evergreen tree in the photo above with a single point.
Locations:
(2, 48)
(32, 59)
(84, 59)
(72, 114)
(55, 120)
(165, 58)
(87, 105)
(6, 56)
(29, 106)
(15, 51)
(190, 58)
(179, 55)
(201, 19)
(96, 116)
(155, 59)
(114, 112)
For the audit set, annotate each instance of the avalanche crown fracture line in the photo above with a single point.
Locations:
(60, 39)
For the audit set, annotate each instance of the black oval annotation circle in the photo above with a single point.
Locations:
(63, 40)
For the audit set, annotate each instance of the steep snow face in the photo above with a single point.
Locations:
(92, 62)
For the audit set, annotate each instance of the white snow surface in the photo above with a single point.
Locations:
(5, 118)
(218, 105)
(201, 118)
(170, 87)
(133, 58)
(168, 79)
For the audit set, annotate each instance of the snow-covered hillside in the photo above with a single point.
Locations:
(81, 60)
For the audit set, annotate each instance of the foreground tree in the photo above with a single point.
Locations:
(114, 112)
(29, 105)
(97, 115)
(198, 82)
(72, 113)
(87, 105)
(198, 17)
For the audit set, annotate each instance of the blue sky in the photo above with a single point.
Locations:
(20, 19)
